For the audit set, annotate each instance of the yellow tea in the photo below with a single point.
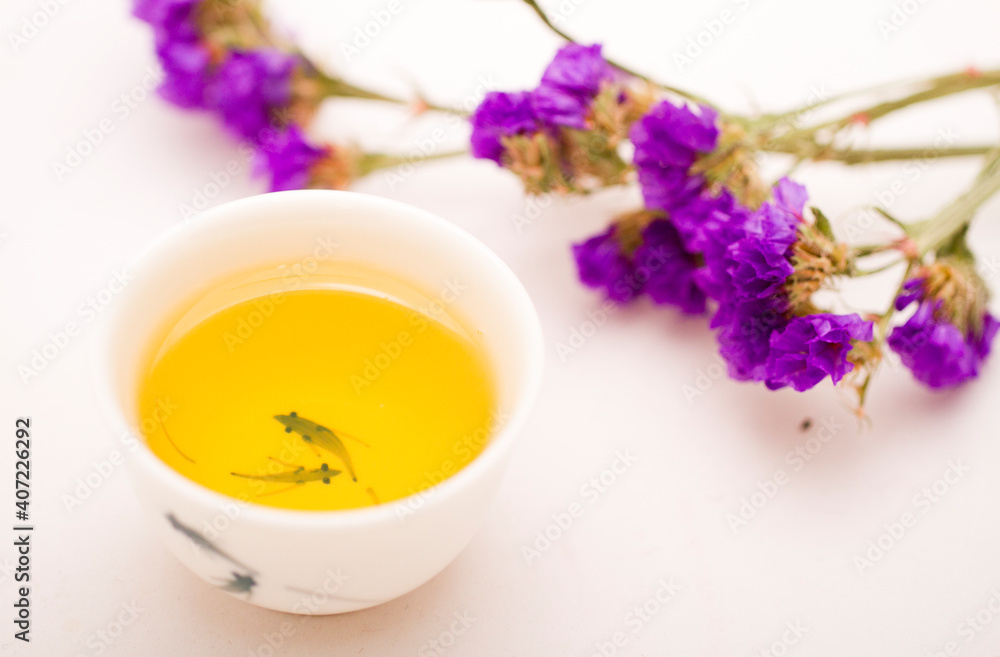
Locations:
(319, 399)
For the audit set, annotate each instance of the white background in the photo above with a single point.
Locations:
(697, 459)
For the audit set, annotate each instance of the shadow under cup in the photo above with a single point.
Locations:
(316, 562)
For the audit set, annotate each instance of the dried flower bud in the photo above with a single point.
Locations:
(537, 160)
(957, 292)
(816, 259)
(733, 165)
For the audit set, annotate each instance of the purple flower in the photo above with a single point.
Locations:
(936, 351)
(186, 68)
(668, 188)
(747, 264)
(601, 263)
(745, 330)
(248, 87)
(667, 141)
(287, 157)
(790, 197)
(668, 268)
(569, 85)
(171, 20)
(709, 225)
(913, 290)
(758, 268)
(500, 115)
(673, 136)
(186, 61)
(758, 264)
(810, 348)
(778, 222)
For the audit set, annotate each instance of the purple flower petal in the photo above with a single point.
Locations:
(601, 264)
(936, 351)
(186, 73)
(248, 87)
(569, 84)
(668, 268)
(790, 197)
(287, 157)
(813, 347)
(672, 136)
(500, 115)
(758, 268)
(744, 335)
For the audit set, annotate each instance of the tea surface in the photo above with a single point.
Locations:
(318, 399)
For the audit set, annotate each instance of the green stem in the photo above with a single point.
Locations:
(374, 161)
(936, 88)
(621, 67)
(872, 249)
(809, 149)
(337, 88)
(956, 216)
(878, 270)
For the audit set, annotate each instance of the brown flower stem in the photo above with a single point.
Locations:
(621, 67)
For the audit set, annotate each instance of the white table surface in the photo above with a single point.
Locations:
(792, 565)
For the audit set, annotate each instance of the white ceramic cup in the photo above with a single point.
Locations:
(317, 562)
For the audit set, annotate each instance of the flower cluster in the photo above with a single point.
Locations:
(216, 57)
(764, 334)
(641, 253)
(705, 237)
(564, 135)
(947, 339)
